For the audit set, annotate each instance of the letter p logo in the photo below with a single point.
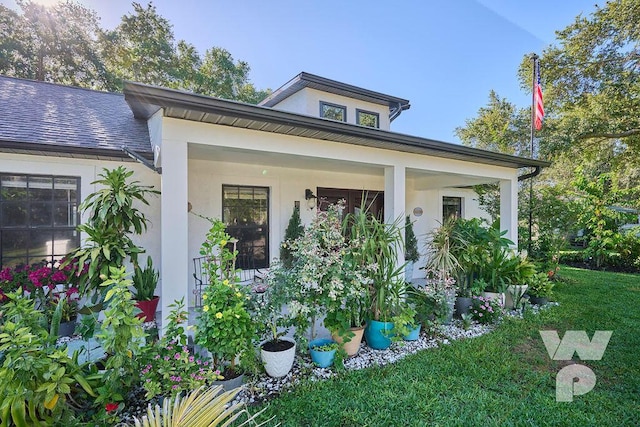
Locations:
(574, 380)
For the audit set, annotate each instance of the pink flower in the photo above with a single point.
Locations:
(479, 314)
(5, 275)
(191, 359)
(177, 356)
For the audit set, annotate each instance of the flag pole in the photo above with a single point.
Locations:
(534, 60)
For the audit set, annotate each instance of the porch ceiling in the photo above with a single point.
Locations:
(423, 179)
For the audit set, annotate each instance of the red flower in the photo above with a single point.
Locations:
(109, 407)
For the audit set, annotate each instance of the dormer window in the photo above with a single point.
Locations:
(333, 111)
(367, 118)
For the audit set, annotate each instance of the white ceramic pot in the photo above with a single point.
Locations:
(278, 363)
(495, 296)
(514, 293)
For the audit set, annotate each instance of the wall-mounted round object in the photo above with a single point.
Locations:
(417, 211)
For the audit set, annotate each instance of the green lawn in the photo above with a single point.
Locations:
(504, 378)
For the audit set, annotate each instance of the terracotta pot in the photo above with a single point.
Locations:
(352, 347)
(148, 309)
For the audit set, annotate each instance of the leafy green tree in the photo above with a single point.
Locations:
(591, 80)
(142, 47)
(295, 229)
(55, 44)
(499, 126)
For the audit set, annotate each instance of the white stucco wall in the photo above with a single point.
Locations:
(307, 101)
(87, 170)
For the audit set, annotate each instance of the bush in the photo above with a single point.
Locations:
(485, 310)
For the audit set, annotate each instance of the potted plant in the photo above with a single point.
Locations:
(225, 327)
(411, 254)
(68, 298)
(145, 282)
(346, 313)
(276, 351)
(518, 282)
(112, 218)
(376, 257)
(323, 351)
(540, 289)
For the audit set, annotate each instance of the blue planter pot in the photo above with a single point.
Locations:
(414, 334)
(378, 334)
(323, 359)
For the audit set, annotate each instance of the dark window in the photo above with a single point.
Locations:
(451, 207)
(333, 111)
(38, 218)
(367, 118)
(245, 212)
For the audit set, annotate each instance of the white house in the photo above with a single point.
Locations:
(246, 164)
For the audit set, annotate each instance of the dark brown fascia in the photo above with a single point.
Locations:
(145, 100)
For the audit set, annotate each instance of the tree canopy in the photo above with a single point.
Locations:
(65, 44)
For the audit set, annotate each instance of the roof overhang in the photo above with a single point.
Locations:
(306, 80)
(56, 150)
(145, 100)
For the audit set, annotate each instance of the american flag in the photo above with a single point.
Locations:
(538, 103)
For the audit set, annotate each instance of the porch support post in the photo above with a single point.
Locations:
(509, 209)
(174, 227)
(394, 201)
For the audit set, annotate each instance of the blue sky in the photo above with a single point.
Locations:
(444, 56)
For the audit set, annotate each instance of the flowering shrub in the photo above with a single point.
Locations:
(327, 279)
(225, 327)
(486, 310)
(36, 281)
(168, 367)
(174, 369)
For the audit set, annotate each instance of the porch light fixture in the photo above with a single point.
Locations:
(310, 198)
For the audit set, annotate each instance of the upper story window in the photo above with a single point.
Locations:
(367, 118)
(38, 218)
(451, 208)
(333, 111)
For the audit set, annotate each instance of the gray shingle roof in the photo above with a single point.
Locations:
(46, 117)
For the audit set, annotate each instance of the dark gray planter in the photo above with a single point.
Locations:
(538, 300)
(463, 306)
(66, 329)
(231, 383)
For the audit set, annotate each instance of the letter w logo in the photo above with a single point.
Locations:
(576, 341)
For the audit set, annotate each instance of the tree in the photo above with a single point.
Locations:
(65, 44)
(295, 229)
(591, 80)
(499, 126)
(56, 44)
(142, 48)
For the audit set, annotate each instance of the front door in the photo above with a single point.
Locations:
(371, 200)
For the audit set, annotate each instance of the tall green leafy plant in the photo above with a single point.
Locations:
(145, 281)
(37, 378)
(377, 244)
(113, 217)
(120, 335)
(293, 232)
(410, 242)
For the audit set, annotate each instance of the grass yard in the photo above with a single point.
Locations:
(505, 378)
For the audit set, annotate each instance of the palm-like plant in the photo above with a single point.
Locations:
(113, 217)
(201, 407)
